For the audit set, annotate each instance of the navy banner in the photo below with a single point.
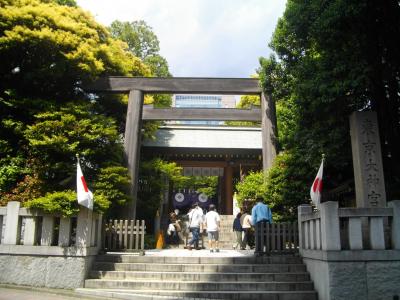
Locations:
(181, 199)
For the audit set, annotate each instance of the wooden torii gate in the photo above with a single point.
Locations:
(136, 87)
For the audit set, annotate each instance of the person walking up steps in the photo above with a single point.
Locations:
(260, 214)
(247, 236)
(238, 230)
(195, 220)
(212, 225)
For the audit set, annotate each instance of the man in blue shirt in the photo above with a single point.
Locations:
(260, 215)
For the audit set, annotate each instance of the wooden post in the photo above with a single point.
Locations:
(132, 145)
(269, 130)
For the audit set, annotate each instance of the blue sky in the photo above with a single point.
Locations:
(201, 38)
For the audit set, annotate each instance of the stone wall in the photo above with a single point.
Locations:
(348, 261)
(34, 251)
(45, 271)
(356, 280)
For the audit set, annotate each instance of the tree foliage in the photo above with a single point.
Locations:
(112, 188)
(48, 51)
(143, 42)
(252, 186)
(246, 102)
(201, 184)
(335, 57)
(155, 175)
(64, 202)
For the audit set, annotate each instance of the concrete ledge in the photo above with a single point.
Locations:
(65, 272)
(352, 255)
(47, 250)
(40, 293)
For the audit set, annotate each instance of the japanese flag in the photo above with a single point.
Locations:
(316, 188)
(85, 197)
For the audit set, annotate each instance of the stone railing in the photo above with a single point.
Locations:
(26, 227)
(352, 253)
(333, 228)
(47, 250)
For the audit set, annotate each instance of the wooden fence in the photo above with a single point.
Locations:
(277, 237)
(124, 235)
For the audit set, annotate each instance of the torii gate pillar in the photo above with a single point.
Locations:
(133, 127)
(268, 130)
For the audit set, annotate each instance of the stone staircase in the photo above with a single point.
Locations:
(226, 235)
(278, 277)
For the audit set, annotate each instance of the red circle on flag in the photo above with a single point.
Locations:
(317, 186)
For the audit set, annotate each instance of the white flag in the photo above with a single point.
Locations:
(316, 188)
(85, 197)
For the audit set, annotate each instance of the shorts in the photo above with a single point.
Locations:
(213, 235)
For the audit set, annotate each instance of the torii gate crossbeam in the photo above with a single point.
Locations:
(138, 86)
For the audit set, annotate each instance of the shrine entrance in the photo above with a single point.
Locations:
(213, 159)
(137, 87)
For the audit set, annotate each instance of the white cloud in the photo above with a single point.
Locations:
(207, 38)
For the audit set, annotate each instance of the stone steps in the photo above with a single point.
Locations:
(176, 285)
(206, 276)
(200, 276)
(169, 295)
(226, 236)
(271, 268)
(195, 260)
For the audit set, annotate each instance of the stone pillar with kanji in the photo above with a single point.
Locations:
(367, 160)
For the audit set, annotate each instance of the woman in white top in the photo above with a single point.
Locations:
(247, 230)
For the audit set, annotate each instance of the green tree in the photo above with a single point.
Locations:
(143, 42)
(49, 50)
(334, 58)
(154, 176)
(246, 102)
(252, 186)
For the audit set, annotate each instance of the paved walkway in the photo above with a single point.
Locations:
(199, 253)
(10, 292)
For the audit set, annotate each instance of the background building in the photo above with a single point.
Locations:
(203, 101)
